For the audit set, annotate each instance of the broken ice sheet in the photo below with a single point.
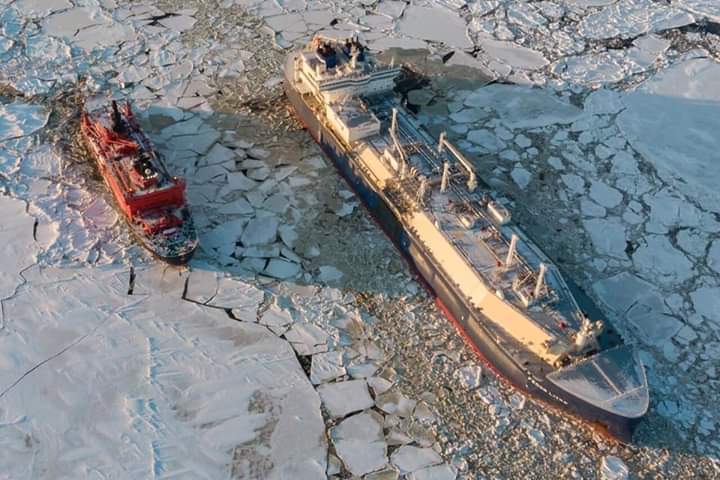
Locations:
(327, 366)
(159, 278)
(307, 339)
(447, 26)
(627, 19)
(277, 319)
(170, 380)
(409, 458)
(394, 402)
(202, 285)
(436, 472)
(523, 107)
(17, 246)
(613, 468)
(20, 119)
(641, 304)
(470, 376)
(670, 117)
(281, 269)
(344, 398)
(360, 443)
(514, 55)
(100, 214)
(241, 298)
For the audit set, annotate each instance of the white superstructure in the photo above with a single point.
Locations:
(435, 191)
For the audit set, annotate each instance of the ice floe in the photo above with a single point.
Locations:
(146, 378)
(344, 398)
(20, 119)
(671, 116)
(410, 459)
(448, 27)
(613, 468)
(360, 444)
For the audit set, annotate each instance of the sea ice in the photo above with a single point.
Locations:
(524, 107)
(281, 269)
(702, 8)
(17, 247)
(360, 444)
(641, 304)
(344, 398)
(612, 468)
(447, 26)
(151, 385)
(409, 458)
(706, 301)
(394, 402)
(631, 18)
(41, 8)
(241, 298)
(327, 366)
(178, 23)
(307, 338)
(486, 140)
(604, 194)
(574, 182)
(469, 376)
(329, 274)
(276, 318)
(436, 472)
(19, 120)
(67, 23)
(609, 236)
(713, 256)
(512, 54)
(260, 231)
(659, 258)
(521, 176)
(671, 120)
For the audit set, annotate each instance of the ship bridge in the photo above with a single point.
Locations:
(336, 69)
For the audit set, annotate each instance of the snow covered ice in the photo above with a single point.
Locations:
(297, 331)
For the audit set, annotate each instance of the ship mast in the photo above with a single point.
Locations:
(396, 143)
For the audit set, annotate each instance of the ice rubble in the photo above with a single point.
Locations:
(613, 468)
(604, 191)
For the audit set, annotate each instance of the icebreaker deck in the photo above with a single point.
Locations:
(509, 300)
(151, 200)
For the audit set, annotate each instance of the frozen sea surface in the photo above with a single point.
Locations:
(598, 129)
(671, 119)
(143, 385)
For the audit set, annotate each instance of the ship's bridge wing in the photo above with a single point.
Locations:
(613, 380)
